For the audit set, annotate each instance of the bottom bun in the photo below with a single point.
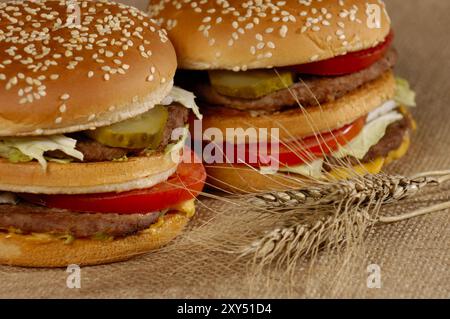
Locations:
(242, 179)
(34, 251)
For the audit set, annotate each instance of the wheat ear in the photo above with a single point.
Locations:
(339, 213)
(369, 188)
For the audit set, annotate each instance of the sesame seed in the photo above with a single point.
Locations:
(283, 31)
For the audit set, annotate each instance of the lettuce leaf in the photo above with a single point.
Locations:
(68, 238)
(403, 93)
(35, 147)
(58, 160)
(370, 135)
(178, 145)
(13, 154)
(102, 237)
(186, 98)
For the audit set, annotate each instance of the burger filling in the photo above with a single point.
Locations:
(392, 140)
(26, 218)
(264, 92)
(308, 90)
(95, 151)
(105, 215)
(380, 137)
(147, 133)
(100, 216)
(29, 219)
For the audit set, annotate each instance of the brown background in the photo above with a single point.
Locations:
(414, 255)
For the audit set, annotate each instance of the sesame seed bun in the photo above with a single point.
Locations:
(33, 251)
(297, 123)
(240, 35)
(85, 178)
(112, 64)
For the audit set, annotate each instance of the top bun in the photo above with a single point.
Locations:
(240, 35)
(72, 65)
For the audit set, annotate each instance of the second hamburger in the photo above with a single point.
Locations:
(319, 71)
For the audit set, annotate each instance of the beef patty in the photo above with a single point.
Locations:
(30, 218)
(94, 151)
(309, 90)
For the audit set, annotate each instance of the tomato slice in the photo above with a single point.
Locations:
(305, 150)
(294, 152)
(345, 64)
(185, 184)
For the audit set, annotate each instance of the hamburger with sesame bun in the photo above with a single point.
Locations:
(315, 75)
(92, 160)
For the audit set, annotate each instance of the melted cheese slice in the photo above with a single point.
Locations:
(187, 207)
(373, 167)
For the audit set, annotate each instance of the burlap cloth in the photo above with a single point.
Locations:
(414, 256)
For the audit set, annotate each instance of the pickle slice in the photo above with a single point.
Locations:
(143, 131)
(250, 84)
